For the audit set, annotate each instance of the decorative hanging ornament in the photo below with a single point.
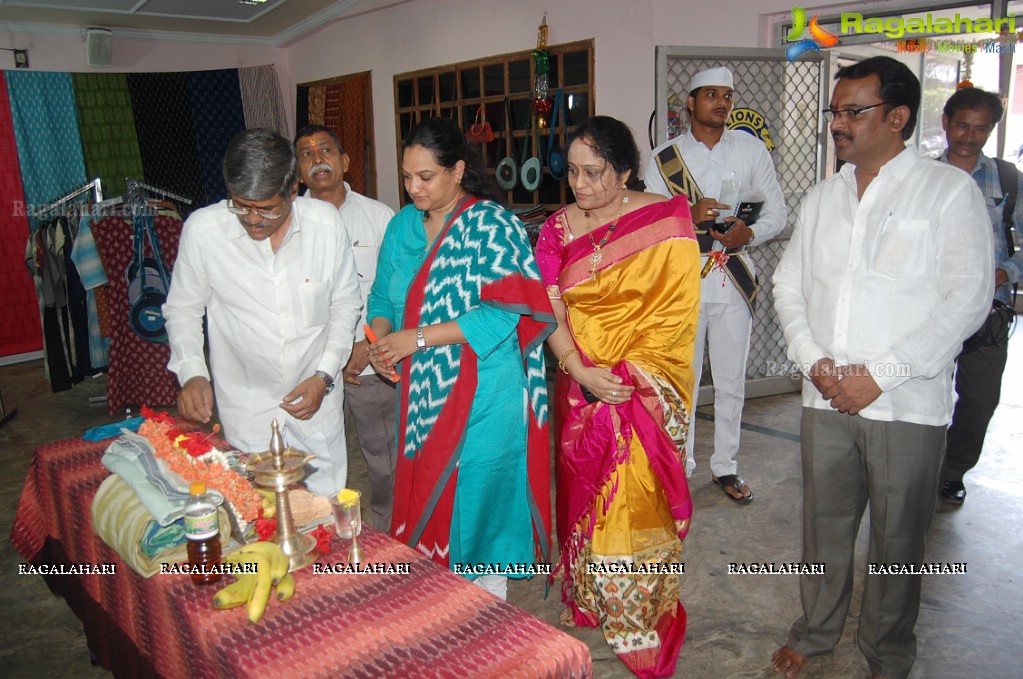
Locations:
(541, 71)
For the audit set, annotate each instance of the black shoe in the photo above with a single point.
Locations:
(953, 492)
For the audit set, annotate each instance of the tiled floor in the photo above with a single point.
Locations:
(968, 624)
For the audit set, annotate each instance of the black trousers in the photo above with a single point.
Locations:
(978, 385)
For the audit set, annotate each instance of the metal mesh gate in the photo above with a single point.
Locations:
(790, 96)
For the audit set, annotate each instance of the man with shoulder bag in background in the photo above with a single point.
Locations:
(970, 116)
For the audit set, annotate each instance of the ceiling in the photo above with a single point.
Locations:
(276, 22)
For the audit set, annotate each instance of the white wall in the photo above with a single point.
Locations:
(420, 34)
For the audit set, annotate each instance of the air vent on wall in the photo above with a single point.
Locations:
(98, 47)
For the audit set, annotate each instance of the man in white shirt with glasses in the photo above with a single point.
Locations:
(888, 270)
(276, 278)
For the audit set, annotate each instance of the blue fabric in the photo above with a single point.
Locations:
(46, 129)
(109, 431)
(217, 116)
(491, 517)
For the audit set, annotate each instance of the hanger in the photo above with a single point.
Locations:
(134, 193)
(95, 185)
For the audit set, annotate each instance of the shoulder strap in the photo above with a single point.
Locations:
(676, 174)
(1008, 177)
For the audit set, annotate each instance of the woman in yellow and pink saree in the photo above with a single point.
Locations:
(622, 270)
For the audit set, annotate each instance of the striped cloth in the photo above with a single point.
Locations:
(261, 98)
(90, 269)
(121, 521)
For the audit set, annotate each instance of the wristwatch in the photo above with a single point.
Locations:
(326, 378)
(420, 339)
(752, 237)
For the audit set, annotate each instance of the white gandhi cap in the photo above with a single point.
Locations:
(721, 77)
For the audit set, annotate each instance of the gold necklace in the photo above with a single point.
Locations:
(598, 256)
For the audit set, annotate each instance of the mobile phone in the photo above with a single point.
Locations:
(588, 395)
(724, 227)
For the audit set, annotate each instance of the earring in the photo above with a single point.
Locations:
(623, 185)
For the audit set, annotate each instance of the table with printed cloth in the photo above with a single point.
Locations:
(428, 622)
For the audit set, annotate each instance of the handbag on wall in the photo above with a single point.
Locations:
(532, 169)
(480, 131)
(555, 155)
(507, 172)
(148, 283)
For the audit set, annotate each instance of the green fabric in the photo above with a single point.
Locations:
(107, 125)
(157, 538)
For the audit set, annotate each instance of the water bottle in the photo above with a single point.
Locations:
(202, 529)
(729, 195)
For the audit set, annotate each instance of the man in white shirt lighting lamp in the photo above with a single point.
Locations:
(275, 276)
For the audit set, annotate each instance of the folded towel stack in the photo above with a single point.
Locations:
(124, 523)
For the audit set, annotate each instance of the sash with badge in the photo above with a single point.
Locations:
(679, 180)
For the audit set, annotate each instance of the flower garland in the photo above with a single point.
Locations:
(193, 457)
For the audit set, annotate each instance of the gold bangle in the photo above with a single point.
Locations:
(564, 357)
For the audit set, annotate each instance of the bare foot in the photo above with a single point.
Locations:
(787, 661)
(567, 619)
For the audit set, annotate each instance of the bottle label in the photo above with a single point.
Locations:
(201, 525)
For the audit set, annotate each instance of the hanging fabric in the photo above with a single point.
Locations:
(138, 368)
(262, 102)
(94, 279)
(352, 129)
(107, 123)
(217, 116)
(317, 105)
(20, 328)
(46, 128)
(166, 133)
(62, 300)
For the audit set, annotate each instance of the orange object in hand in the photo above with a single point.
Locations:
(372, 337)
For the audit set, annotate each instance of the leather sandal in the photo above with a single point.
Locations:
(734, 481)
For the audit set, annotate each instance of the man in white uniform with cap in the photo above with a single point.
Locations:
(696, 164)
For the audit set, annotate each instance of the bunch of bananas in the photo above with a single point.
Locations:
(253, 589)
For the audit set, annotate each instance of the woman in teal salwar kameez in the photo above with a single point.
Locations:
(460, 312)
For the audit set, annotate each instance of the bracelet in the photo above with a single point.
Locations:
(564, 357)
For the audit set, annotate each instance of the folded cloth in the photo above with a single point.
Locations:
(121, 520)
(132, 458)
(157, 538)
(109, 431)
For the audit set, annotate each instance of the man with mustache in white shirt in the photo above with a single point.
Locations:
(370, 398)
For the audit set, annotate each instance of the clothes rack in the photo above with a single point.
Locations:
(134, 195)
(95, 185)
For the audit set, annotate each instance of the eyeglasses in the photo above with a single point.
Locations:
(848, 113)
(275, 213)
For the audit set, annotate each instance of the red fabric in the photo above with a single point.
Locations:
(416, 479)
(138, 368)
(427, 622)
(20, 328)
(353, 128)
